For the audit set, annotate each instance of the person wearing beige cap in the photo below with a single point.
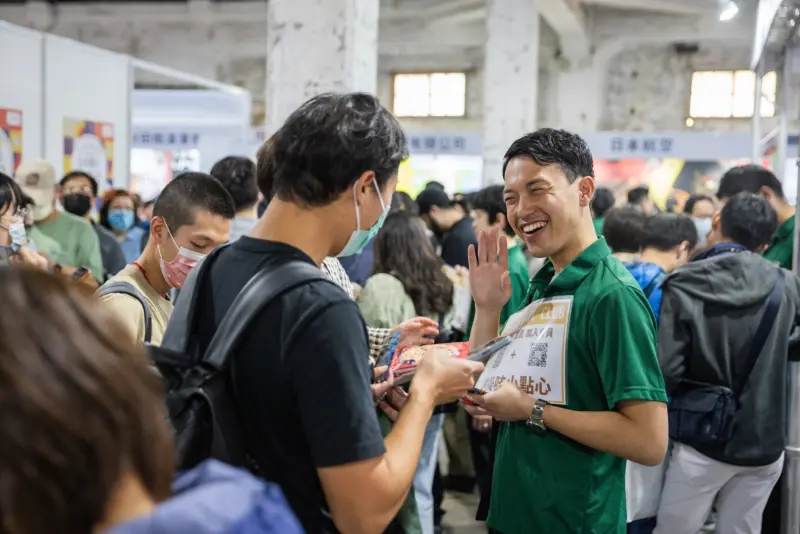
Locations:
(68, 241)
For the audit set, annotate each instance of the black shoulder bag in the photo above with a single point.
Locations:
(701, 415)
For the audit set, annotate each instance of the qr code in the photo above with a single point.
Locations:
(538, 355)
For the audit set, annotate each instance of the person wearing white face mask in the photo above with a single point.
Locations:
(191, 217)
(701, 209)
(15, 248)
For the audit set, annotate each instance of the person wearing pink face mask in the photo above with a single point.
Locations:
(191, 217)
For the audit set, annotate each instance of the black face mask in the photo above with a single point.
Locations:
(77, 204)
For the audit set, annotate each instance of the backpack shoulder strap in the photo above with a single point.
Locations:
(126, 288)
(177, 336)
(263, 288)
(763, 331)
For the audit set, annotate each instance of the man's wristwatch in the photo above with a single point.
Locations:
(536, 420)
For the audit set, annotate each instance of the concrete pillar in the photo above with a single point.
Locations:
(510, 79)
(317, 46)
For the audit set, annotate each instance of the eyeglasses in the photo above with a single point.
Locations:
(78, 190)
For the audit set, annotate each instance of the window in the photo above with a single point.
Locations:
(439, 94)
(729, 94)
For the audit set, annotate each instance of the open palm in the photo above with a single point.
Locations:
(489, 281)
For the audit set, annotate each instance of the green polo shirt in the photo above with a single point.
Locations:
(518, 272)
(781, 248)
(549, 483)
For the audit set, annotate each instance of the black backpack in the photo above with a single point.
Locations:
(201, 403)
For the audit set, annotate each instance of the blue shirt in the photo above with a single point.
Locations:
(649, 277)
(359, 266)
(132, 244)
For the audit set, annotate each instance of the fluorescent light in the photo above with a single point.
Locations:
(729, 10)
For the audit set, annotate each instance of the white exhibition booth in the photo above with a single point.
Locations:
(71, 116)
(75, 106)
(175, 131)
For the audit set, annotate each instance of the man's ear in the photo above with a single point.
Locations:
(501, 221)
(586, 187)
(715, 220)
(158, 230)
(364, 186)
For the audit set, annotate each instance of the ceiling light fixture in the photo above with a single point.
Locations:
(729, 10)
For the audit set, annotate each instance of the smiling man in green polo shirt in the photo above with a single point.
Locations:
(760, 181)
(580, 389)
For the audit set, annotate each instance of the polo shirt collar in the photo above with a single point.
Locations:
(785, 230)
(573, 274)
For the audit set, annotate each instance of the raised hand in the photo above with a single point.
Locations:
(489, 281)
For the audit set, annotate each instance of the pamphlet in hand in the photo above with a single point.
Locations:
(406, 359)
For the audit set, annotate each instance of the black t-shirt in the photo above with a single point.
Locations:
(456, 242)
(302, 376)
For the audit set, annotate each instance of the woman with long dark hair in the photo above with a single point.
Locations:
(408, 280)
(407, 277)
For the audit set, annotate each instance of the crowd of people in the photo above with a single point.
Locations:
(670, 410)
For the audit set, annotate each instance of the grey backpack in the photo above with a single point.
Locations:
(126, 288)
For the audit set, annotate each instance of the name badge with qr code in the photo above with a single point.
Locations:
(536, 360)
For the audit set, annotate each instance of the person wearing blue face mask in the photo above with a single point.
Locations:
(118, 216)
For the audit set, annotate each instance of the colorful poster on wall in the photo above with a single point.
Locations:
(89, 147)
(10, 140)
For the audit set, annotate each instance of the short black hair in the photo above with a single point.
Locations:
(665, 231)
(603, 201)
(490, 199)
(433, 184)
(81, 174)
(749, 178)
(688, 207)
(548, 146)
(237, 174)
(11, 196)
(428, 198)
(326, 145)
(748, 219)
(624, 229)
(638, 194)
(178, 201)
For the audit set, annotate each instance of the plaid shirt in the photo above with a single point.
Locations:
(378, 337)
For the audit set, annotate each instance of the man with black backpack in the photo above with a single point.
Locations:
(726, 319)
(290, 345)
